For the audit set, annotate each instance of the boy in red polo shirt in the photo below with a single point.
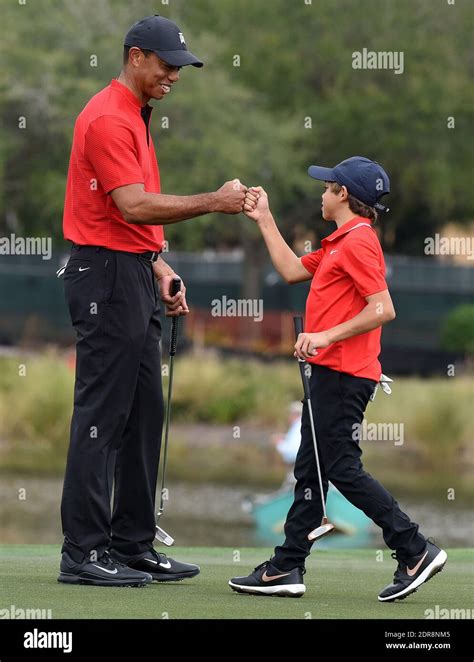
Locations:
(346, 307)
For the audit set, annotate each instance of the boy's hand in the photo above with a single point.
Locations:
(256, 203)
(307, 344)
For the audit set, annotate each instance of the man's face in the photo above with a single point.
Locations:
(153, 76)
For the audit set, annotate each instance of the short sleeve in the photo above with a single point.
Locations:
(311, 261)
(110, 149)
(363, 261)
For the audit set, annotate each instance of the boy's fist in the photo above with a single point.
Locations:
(256, 203)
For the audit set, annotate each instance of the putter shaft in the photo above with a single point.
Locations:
(161, 534)
(326, 526)
(313, 432)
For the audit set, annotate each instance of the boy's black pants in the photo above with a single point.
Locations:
(339, 401)
(118, 403)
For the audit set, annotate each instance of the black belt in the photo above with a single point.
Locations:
(149, 256)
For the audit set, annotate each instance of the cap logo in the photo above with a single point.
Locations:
(181, 38)
(379, 184)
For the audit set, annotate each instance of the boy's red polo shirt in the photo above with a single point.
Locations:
(111, 147)
(349, 267)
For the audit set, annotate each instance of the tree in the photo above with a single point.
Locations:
(294, 99)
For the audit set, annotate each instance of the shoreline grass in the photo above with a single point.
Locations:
(36, 395)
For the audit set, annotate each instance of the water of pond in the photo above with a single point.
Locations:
(200, 515)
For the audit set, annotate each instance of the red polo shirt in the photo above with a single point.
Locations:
(111, 147)
(349, 267)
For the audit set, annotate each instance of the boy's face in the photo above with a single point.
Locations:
(331, 202)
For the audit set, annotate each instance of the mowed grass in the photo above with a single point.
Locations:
(339, 584)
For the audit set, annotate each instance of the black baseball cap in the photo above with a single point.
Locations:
(163, 37)
(364, 179)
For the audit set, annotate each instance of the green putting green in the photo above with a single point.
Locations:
(339, 584)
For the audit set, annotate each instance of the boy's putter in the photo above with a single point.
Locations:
(326, 526)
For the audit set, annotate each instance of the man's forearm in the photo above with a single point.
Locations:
(283, 258)
(160, 209)
(368, 319)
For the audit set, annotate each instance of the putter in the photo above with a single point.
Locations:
(161, 534)
(326, 526)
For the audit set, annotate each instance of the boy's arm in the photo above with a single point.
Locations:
(285, 261)
(378, 311)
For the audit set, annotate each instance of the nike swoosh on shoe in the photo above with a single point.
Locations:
(163, 565)
(266, 578)
(412, 571)
(111, 572)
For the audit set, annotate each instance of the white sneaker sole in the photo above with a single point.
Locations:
(434, 567)
(286, 590)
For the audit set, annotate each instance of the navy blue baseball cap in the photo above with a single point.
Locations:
(364, 179)
(163, 37)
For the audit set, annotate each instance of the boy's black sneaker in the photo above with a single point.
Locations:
(160, 566)
(268, 580)
(106, 571)
(411, 574)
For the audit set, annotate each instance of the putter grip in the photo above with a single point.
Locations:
(298, 323)
(175, 288)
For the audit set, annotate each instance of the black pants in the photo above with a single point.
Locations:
(339, 401)
(118, 404)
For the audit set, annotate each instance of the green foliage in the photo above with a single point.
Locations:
(35, 409)
(232, 390)
(458, 330)
(249, 121)
(35, 412)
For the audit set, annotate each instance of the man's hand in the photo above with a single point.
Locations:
(307, 344)
(177, 305)
(229, 199)
(256, 203)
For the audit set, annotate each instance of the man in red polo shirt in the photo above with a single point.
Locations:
(115, 277)
(347, 305)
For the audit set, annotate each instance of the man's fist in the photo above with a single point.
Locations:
(177, 305)
(230, 197)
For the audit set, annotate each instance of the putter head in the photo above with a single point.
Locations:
(163, 537)
(323, 530)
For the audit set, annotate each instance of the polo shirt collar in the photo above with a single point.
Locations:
(347, 227)
(123, 89)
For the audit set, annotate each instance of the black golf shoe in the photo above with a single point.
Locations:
(411, 574)
(268, 580)
(106, 571)
(160, 566)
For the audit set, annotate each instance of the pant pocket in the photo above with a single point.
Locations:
(110, 277)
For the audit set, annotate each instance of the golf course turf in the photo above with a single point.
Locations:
(339, 584)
